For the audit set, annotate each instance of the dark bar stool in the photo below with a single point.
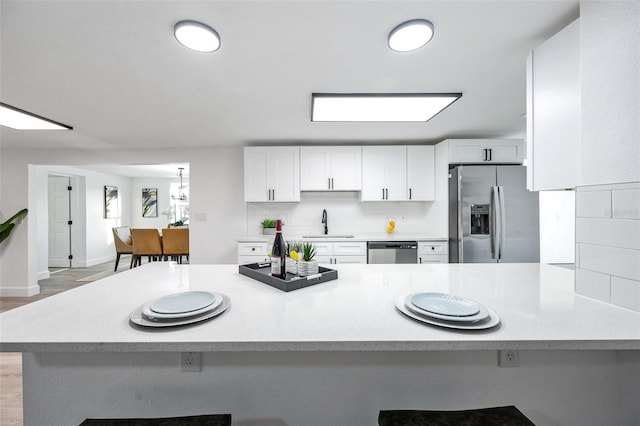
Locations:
(496, 416)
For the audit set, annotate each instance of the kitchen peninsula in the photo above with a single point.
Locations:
(333, 353)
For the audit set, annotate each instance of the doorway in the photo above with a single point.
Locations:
(59, 200)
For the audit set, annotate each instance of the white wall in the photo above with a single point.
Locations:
(218, 212)
(610, 73)
(557, 226)
(608, 216)
(163, 185)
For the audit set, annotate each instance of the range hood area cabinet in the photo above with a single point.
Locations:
(553, 112)
(486, 151)
(272, 174)
(398, 173)
(331, 168)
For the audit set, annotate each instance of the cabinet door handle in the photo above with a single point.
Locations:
(332, 187)
(383, 193)
(420, 260)
(328, 183)
(409, 193)
(489, 154)
(274, 194)
(386, 197)
(484, 155)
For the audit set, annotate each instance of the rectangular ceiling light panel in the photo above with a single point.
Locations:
(23, 120)
(379, 107)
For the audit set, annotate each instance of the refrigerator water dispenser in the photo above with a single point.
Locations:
(479, 219)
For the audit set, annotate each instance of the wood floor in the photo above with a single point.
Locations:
(61, 279)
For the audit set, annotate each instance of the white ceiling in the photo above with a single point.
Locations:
(114, 71)
(141, 170)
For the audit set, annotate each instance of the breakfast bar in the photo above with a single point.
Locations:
(332, 353)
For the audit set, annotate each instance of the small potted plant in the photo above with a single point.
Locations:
(269, 226)
(294, 249)
(308, 265)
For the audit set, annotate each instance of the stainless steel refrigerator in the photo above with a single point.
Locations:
(492, 216)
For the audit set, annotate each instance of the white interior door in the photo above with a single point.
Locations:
(59, 228)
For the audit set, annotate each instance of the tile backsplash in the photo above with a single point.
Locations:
(608, 243)
(347, 215)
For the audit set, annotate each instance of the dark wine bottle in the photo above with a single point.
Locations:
(279, 254)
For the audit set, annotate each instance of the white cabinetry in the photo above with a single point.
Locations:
(421, 177)
(433, 252)
(337, 168)
(398, 173)
(271, 174)
(384, 173)
(340, 252)
(553, 112)
(253, 252)
(482, 151)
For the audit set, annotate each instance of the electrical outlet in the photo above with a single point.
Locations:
(191, 361)
(508, 358)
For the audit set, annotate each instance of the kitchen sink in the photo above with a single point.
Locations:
(328, 236)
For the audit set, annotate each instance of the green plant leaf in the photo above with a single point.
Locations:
(6, 227)
(4, 233)
(308, 251)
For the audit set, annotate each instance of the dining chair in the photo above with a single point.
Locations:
(122, 240)
(146, 242)
(175, 243)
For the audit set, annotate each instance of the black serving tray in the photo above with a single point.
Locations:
(262, 273)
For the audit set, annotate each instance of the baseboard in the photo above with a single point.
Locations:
(19, 291)
(96, 261)
(44, 275)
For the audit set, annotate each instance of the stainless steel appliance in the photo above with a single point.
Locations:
(492, 216)
(392, 252)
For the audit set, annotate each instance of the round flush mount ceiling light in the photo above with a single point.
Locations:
(410, 35)
(197, 36)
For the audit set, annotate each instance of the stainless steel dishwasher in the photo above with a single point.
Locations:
(392, 252)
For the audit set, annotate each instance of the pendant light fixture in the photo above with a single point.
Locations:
(197, 36)
(410, 35)
(181, 195)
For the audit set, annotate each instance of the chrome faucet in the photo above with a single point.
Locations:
(324, 220)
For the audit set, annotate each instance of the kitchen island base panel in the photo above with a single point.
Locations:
(331, 388)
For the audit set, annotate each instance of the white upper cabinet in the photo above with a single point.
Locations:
(553, 112)
(332, 168)
(384, 173)
(271, 174)
(483, 151)
(421, 178)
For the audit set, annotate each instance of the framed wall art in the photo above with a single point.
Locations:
(149, 202)
(111, 210)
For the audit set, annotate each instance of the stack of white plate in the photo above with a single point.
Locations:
(180, 309)
(447, 310)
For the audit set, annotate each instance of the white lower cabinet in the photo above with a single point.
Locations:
(433, 252)
(341, 252)
(326, 252)
(253, 252)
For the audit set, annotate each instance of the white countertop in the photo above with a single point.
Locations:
(359, 238)
(536, 303)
